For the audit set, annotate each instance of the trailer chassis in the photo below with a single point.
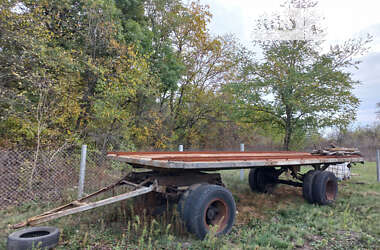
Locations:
(202, 200)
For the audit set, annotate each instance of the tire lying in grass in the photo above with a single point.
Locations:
(33, 238)
(209, 206)
(307, 188)
(325, 188)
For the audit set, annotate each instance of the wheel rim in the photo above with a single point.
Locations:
(216, 214)
(330, 190)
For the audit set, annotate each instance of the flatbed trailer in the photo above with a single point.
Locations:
(192, 180)
(214, 161)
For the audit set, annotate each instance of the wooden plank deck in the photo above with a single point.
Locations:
(226, 160)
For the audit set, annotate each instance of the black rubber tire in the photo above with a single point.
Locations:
(182, 201)
(307, 187)
(325, 188)
(252, 177)
(264, 180)
(209, 205)
(33, 238)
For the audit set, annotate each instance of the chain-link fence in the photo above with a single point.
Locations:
(101, 171)
(51, 176)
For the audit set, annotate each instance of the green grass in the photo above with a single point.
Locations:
(281, 220)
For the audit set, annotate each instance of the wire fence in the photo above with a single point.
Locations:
(51, 176)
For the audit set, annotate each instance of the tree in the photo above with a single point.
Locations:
(61, 62)
(209, 63)
(35, 78)
(297, 88)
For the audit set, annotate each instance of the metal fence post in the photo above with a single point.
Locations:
(180, 148)
(378, 164)
(82, 171)
(241, 170)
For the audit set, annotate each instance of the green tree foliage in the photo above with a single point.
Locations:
(62, 63)
(210, 62)
(297, 88)
(147, 74)
(35, 77)
(113, 73)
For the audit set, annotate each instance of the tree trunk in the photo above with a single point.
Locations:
(288, 130)
(88, 92)
(288, 134)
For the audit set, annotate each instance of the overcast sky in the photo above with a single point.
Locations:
(343, 19)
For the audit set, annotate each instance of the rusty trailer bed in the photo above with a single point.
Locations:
(227, 160)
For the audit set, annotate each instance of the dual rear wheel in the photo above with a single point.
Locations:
(320, 187)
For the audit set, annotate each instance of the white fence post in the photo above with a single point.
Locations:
(180, 148)
(82, 171)
(378, 164)
(241, 170)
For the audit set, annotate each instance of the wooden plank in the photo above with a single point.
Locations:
(82, 199)
(237, 164)
(47, 217)
(261, 163)
(343, 149)
(202, 153)
(140, 161)
(166, 155)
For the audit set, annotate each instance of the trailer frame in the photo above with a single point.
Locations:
(183, 177)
